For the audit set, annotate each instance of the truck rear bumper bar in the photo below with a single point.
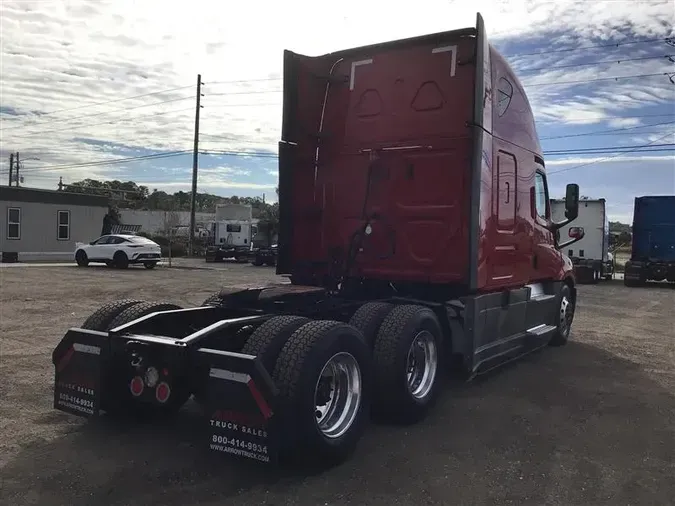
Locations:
(97, 371)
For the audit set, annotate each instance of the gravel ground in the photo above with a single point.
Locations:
(591, 423)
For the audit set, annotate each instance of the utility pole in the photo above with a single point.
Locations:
(195, 168)
(11, 167)
(17, 168)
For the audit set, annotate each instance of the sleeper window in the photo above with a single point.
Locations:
(540, 194)
(504, 94)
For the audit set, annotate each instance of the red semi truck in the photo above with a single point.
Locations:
(416, 231)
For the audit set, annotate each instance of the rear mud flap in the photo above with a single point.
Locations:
(79, 368)
(240, 402)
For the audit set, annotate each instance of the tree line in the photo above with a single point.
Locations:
(130, 195)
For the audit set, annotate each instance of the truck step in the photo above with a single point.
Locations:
(540, 330)
(542, 297)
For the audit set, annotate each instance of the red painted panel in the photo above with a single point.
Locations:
(399, 114)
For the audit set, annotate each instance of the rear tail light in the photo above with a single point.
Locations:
(136, 386)
(162, 392)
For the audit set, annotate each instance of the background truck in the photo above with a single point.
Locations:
(653, 247)
(382, 148)
(591, 256)
(230, 239)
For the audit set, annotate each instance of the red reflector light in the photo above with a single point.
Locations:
(136, 386)
(162, 392)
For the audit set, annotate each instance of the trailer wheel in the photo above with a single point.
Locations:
(102, 317)
(368, 319)
(565, 317)
(324, 378)
(267, 340)
(139, 310)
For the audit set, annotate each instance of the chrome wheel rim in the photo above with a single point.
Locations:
(337, 395)
(566, 313)
(422, 364)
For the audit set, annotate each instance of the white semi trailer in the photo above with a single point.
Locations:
(591, 256)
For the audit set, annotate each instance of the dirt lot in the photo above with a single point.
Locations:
(591, 423)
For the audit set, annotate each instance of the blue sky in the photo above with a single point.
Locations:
(68, 70)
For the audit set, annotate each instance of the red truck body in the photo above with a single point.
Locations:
(416, 230)
(431, 141)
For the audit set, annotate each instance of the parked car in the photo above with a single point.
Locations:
(119, 250)
(267, 255)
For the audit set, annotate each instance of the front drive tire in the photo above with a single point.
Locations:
(150, 265)
(324, 378)
(368, 319)
(267, 340)
(406, 356)
(565, 316)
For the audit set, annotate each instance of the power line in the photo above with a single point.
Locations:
(614, 78)
(613, 62)
(168, 154)
(88, 125)
(594, 46)
(604, 132)
(606, 158)
(114, 100)
(612, 151)
(610, 148)
(242, 81)
(244, 93)
(98, 113)
(671, 115)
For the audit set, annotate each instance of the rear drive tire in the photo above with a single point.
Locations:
(120, 260)
(81, 258)
(312, 429)
(267, 340)
(565, 316)
(102, 318)
(368, 319)
(406, 356)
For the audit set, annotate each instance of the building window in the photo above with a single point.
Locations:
(13, 223)
(581, 253)
(63, 225)
(504, 94)
(570, 253)
(233, 228)
(540, 194)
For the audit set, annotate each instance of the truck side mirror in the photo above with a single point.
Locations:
(576, 233)
(572, 202)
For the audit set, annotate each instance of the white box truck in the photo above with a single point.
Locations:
(591, 256)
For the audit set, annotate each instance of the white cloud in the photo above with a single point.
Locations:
(624, 122)
(61, 55)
